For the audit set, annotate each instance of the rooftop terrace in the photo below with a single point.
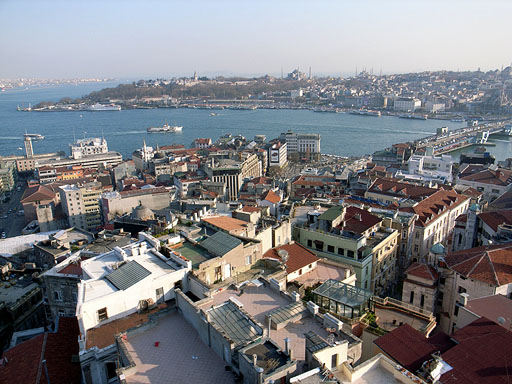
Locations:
(181, 356)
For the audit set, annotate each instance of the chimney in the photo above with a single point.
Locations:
(288, 348)
(255, 360)
(269, 325)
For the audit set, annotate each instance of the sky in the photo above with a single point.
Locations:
(148, 39)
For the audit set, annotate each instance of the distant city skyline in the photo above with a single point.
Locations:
(129, 40)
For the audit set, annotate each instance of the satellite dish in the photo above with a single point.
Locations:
(283, 254)
(501, 320)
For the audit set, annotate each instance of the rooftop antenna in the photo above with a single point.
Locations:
(356, 70)
(281, 73)
(310, 73)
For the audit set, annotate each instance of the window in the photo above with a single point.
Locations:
(417, 235)
(461, 289)
(102, 314)
(248, 260)
(456, 311)
(422, 301)
(61, 313)
(442, 280)
(350, 253)
(57, 295)
(416, 248)
(334, 361)
(341, 251)
(310, 243)
(110, 371)
(74, 297)
(300, 271)
(411, 298)
(330, 248)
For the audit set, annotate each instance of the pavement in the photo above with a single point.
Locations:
(13, 224)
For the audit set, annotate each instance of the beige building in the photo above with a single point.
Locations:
(81, 204)
(436, 220)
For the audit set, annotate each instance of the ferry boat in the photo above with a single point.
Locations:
(34, 136)
(365, 112)
(166, 128)
(412, 116)
(103, 107)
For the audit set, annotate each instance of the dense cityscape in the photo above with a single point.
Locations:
(247, 237)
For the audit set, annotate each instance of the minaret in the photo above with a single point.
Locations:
(309, 73)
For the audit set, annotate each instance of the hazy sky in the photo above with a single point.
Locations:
(131, 39)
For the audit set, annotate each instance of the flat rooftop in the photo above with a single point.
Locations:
(389, 319)
(181, 356)
(194, 253)
(321, 273)
(258, 301)
(267, 352)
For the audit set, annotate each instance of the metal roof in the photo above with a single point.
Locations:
(127, 275)
(220, 243)
(343, 293)
(234, 323)
(283, 314)
(317, 343)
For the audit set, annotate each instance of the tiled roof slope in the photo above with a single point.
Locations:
(488, 264)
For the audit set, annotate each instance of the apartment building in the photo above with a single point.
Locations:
(81, 204)
(302, 145)
(277, 154)
(355, 237)
(436, 220)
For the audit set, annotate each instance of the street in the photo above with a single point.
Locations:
(13, 224)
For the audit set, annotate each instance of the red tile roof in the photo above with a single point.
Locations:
(492, 307)
(72, 269)
(493, 219)
(482, 355)
(249, 208)
(299, 256)
(500, 176)
(397, 188)
(422, 271)
(410, 348)
(478, 354)
(488, 264)
(37, 193)
(358, 220)
(271, 196)
(24, 361)
(435, 205)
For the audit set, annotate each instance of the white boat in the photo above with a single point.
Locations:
(34, 136)
(103, 107)
(166, 128)
(413, 116)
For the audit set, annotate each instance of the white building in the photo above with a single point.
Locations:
(406, 104)
(277, 155)
(431, 168)
(302, 144)
(87, 147)
(117, 283)
(296, 93)
(433, 107)
(492, 181)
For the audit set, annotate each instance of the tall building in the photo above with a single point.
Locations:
(302, 145)
(81, 204)
(277, 155)
(29, 152)
(233, 172)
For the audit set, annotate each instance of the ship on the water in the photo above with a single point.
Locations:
(413, 116)
(103, 107)
(365, 112)
(34, 136)
(166, 128)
